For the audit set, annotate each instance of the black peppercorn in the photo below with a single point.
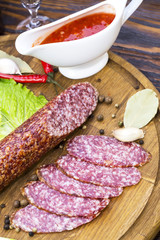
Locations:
(101, 131)
(3, 205)
(6, 221)
(31, 234)
(137, 87)
(16, 204)
(100, 117)
(55, 69)
(98, 80)
(141, 142)
(6, 227)
(101, 99)
(91, 116)
(108, 100)
(120, 124)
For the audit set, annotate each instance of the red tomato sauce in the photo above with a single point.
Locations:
(80, 28)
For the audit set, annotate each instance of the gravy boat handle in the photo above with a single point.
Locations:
(132, 6)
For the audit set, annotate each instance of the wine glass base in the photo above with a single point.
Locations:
(26, 24)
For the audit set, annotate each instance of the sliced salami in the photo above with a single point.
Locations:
(100, 175)
(30, 218)
(54, 178)
(43, 197)
(107, 151)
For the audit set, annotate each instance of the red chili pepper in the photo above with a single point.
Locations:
(32, 78)
(47, 67)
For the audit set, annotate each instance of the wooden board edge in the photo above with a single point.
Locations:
(153, 226)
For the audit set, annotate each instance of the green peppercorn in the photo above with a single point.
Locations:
(101, 131)
(33, 177)
(108, 100)
(100, 117)
(34, 230)
(24, 202)
(11, 227)
(61, 146)
(116, 105)
(101, 99)
(16, 204)
(141, 142)
(17, 230)
(120, 124)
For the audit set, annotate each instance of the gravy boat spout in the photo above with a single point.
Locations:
(83, 57)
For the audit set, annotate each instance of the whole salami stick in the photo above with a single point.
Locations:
(44, 130)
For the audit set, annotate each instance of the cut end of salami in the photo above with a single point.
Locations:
(30, 218)
(54, 178)
(108, 151)
(50, 200)
(99, 175)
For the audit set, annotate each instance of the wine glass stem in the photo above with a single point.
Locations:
(34, 20)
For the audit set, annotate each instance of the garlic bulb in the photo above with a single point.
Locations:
(8, 66)
(128, 134)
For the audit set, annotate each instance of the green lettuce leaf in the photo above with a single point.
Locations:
(17, 104)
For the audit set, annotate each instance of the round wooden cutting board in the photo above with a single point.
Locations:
(134, 214)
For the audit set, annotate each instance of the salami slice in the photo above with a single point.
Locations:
(44, 130)
(54, 178)
(100, 175)
(107, 151)
(43, 197)
(30, 218)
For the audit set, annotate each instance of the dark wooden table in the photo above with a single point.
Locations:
(138, 41)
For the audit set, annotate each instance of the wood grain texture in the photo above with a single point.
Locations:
(138, 41)
(125, 216)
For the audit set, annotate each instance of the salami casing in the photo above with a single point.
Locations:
(100, 175)
(43, 197)
(107, 151)
(30, 218)
(54, 178)
(44, 130)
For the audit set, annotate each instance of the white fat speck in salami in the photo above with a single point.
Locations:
(72, 108)
(46, 198)
(100, 175)
(107, 151)
(54, 178)
(30, 218)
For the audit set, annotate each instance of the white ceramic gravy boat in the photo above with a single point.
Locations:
(83, 57)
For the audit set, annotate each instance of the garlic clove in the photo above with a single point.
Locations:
(8, 66)
(128, 134)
